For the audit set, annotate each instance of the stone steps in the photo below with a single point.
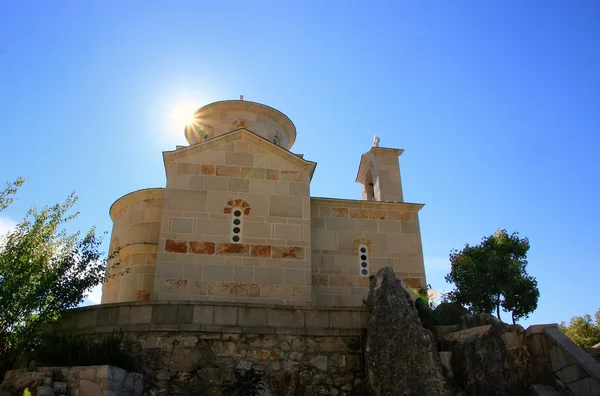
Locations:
(544, 390)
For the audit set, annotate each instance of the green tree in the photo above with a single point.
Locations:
(582, 330)
(493, 275)
(43, 271)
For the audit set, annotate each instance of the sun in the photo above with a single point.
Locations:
(182, 113)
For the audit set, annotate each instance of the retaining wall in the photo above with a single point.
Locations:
(197, 348)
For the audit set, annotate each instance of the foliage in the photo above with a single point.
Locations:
(582, 330)
(247, 383)
(43, 271)
(26, 392)
(492, 275)
(448, 313)
(68, 350)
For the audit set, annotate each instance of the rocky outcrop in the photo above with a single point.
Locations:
(489, 357)
(85, 380)
(448, 313)
(400, 356)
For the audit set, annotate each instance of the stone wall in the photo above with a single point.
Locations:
(391, 232)
(556, 355)
(74, 381)
(198, 255)
(136, 225)
(195, 348)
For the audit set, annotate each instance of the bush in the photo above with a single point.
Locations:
(247, 383)
(79, 351)
(448, 313)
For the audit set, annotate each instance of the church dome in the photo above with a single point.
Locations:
(219, 118)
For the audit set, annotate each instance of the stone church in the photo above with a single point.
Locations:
(236, 221)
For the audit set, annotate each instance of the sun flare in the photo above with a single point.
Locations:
(182, 113)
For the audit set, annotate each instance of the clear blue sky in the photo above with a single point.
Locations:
(496, 104)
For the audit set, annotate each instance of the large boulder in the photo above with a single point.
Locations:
(400, 355)
(491, 359)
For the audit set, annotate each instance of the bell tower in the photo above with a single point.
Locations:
(379, 174)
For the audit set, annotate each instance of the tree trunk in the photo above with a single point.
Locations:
(498, 310)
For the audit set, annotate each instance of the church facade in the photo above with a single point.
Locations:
(236, 221)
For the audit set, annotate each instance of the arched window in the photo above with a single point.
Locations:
(237, 216)
(363, 259)
(276, 140)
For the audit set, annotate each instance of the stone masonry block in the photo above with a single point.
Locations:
(233, 249)
(213, 227)
(140, 314)
(228, 171)
(340, 223)
(262, 251)
(348, 300)
(299, 189)
(252, 317)
(268, 275)
(258, 230)
(218, 273)
(292, 175)
(293, 276)
(164, 314)
(285, 318)
(288, 252)
(316, 318)
(226, 316)
(203, 314)
(345, 319)
(272, 174)
(243, 274)
(87, 319)
(188, 200)
(184, 314)
(207, 170)
(178, 181)
(253, 173)
(261, 161)
(187, 168)
(197, 247)
(239, 159)
(107, 316)
(389, 226)
(288, 231)
(196, 182)
(234, 289)
(259, 186)
(215, 183)
(238, 185)
(182, 225)
(285, 206)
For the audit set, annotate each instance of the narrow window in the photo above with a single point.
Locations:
(369, 187)
(363, 259)
(276, 140)
(236, 224)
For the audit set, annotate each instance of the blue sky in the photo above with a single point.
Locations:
(496, 104)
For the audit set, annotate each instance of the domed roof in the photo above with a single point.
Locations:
(221, 117)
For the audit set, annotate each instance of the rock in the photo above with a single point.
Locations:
(491, 359)
(447, 313)
(60, 388)
(319, 362)
(481, 319)
(400, 355)
(44, 391)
